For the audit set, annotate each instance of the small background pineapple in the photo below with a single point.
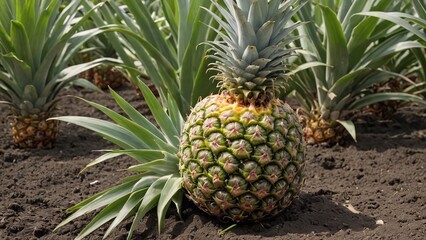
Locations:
(105, 75)
(37, 42)
(242, 150)
(347, 51)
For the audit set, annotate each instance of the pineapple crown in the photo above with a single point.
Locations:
(250, 55)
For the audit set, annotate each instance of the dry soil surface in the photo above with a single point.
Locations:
(372, 189)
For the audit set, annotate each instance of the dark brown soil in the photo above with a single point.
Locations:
(373, 189)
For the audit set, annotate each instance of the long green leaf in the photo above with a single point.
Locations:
(99, 200)
(345, 84)
(145, 136)
(104, 216)
(149, 28)
(360, 40)
(149, 202)
(131, 204)
(349, 126)
(420, 7)
(397, 18)
(135, 115)
(141, 155)
(172, 186)
(20, 39)
(381, 54)
(337, 52)
(113, 132)
(160, 166)
(388, 96)
(160, 115)
(101, 159)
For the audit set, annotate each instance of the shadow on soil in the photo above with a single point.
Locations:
(312, 212)
(407, 125)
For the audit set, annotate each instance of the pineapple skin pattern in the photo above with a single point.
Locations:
(242, 162)
(34, 130)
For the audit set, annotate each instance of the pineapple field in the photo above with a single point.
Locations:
(381, 177)
(229, 119)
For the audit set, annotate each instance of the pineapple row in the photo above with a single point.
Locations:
(241, 151)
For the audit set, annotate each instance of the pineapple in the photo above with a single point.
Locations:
(33, 130)
(242, 150)
(105, 75)
(37, 42)
(343, 58)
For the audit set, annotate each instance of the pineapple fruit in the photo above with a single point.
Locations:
(242, 151)
(318, 130)
(33, 130)
(105, 75)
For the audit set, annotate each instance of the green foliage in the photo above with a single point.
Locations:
(413, 62)
(169, 48)
(156, 182)
(37, 41)
(346, 47)
(343, 54)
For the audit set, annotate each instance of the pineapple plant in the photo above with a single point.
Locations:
(37, 42)
(413, 63)
(408, 63)
(242, 150)
(342, 54)
(248, 164)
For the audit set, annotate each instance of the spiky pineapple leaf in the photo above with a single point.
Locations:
(99, 200)
(172, 186)
(161, 117)
(101, 159)
(350, 127)
(104, 216)
(19, 37)
(398, 18)
(193, 30)
(174, 113)
(420, 8)
(142, 17)
(160, 166)
(177, 200)
(150, 140)
(337, 52)
(149, 201)
(136, 116)
(113, 132)
(155, 164)
(80, 82)
(344, 85)
(360, 40)
(382, 53)
(142, 155)
(130, 206)
(176, 63)
(387, 96)
(19, 70)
